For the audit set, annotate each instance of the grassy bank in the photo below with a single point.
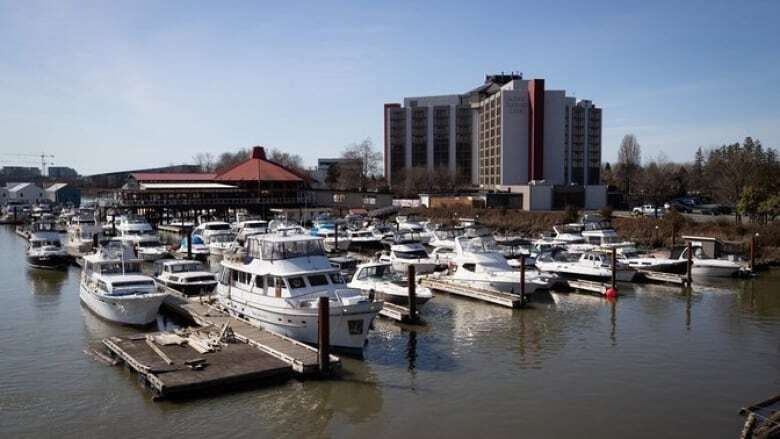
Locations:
(640, 230)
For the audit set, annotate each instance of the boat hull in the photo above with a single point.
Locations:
(48, 261)
(191, 289)
(349, 325)
(399, 299)
(713, 271)
(135, 310)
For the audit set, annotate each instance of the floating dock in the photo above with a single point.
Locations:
(496, 297)
(180, 368)
(661, 277)
(301, 357)
(589, 286)
(396, 312)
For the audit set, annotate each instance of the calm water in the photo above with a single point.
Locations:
(657, 363)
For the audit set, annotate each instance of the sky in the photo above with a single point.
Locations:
(107, 86)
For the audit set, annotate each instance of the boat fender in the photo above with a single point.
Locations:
(611, 293)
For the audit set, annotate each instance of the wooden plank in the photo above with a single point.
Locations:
(599, 288)
(395, 312)
(486, 295)
(157, 350)
(657, 276)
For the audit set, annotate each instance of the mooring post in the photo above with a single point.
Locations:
(674, 234)
(336, 244)
(688, 272)
(522, 275)
(614, 267)
(412, 283)
(752, 252)
(189, 244)
(323, 335)
(95, 241)
(113, 223)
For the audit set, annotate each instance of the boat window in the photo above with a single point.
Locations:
(470, 267)
(132, 284)
(273, 250)
(296, 282)
(234, 275)
(336, 278)
(218, 227)
(317, 280)
(259, 282)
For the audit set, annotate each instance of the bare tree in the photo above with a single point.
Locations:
(366, 157)
(206, 161)
(629, 161)
(290, 161)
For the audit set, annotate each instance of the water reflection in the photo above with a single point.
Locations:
(46, 282)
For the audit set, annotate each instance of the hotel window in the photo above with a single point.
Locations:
(339, 198)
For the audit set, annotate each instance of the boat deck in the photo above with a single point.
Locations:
(661, 277)
(179, 369)
(508, 300)
(301, 357)
(589, 286)
(397, 312)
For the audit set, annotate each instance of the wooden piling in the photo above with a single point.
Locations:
(753, 253)
(689, 265)
(323, 335)
(412, 282)
(614, 267)
(674, 234)
(189, 244)
(336, 237)
(95, 241)
(522, 274)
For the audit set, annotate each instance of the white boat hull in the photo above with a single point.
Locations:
(128, 310)
(349, 325)
(713, 271)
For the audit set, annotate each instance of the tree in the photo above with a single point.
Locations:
(206, 161)
(228, 159)
(629, 162)
(290, 161)
(367, 160)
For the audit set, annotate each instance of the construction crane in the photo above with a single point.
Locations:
(45, 159)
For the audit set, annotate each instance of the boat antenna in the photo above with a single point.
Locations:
(122, 256)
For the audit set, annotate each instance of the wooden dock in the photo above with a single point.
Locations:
(180, 367)
(661, 277)
(591, 287)
(396, 312)
(301, 357)
(508, 300)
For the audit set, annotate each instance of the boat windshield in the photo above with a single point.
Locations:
(415, 254)
(379, 272)
(37, 244)
(149, 244)
(447, 233)
(285, 249)
(218, 227)
(116, 267)
(185, 268)
(481, 244)
(221, 237)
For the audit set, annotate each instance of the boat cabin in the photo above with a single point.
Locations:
(176, 266)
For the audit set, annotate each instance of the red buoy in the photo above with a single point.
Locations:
(611, 293)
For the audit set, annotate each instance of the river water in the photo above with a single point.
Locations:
(655, 363)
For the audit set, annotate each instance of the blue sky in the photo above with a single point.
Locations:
(115, 85)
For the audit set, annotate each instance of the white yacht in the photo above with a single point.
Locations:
(44, 250)
(383, 232)
(605, 238)
(82, 229)
(208, 228)
(363, 238)
(590, 265)
(568, 233)
(113, 286)
(327, 231)
(219, 242)
(406, 250)
(199, 249)
(276, 282)
(149, 248)
(414, 225)
(130, 227)
(250, 227)
(480, 263)
(186, 277)
(444, 237)
(379, 278)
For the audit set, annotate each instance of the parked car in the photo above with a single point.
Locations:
(678, 206)
(647, 210)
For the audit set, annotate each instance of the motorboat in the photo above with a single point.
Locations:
(276, 282)
(640, 261)
(363, 239)
(407, 250)
(82, 229)
(186, 277)
(605, 238)
(199, 250)
(479, 262)
(335, 238)
(590, 265)
(381, 231)
(414, 225)
(568, 233)
(708, 266)
(208, 228)
(15, 212)
(44, 250)
(219, 242)
(250, 227)
(113, 286)
(380, 280)
(130, 227)
(346, 265)
(444, 237)
(149, 248)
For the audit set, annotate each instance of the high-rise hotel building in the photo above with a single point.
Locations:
(507, 132)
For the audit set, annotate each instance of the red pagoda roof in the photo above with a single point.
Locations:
(258, 168)
(172, 176)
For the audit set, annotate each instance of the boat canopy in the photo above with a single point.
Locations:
(285, 249)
